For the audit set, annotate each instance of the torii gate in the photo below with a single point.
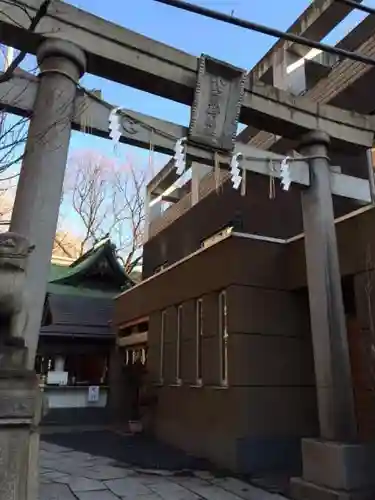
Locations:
(55, 105)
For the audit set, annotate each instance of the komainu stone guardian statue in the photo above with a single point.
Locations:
(14, 252)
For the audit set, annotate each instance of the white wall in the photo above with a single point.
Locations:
(74, 397)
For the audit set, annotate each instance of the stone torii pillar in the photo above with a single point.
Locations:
(38, 196)
(335, 466)
(328, 324)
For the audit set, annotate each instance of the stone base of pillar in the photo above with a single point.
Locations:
(303, 490)
(335, 471)
(20, 412)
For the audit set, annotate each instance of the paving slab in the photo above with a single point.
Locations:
(77, 484)
(150, 496)
(96, 495)
(65, 479)
(83, 474)
(245, 490)
(172, 491)
(148, 479)
(204, 474)
(107, 472)
(128, 487)
(211, 492)
(55, 492)
(191, 482)
(71, 467)
(43, 480)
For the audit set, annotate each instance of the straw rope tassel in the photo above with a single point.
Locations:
(272, 187)
(151, 152)
(217, 171)
(243, 182)
(86, 119)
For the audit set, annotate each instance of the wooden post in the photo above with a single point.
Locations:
(331, 356)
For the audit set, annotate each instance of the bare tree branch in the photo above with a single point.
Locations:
(42, 11)
(107, 198)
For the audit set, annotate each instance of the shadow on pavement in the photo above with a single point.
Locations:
(135, 450)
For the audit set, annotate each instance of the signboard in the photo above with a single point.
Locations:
(57, 378)
(93, 394)
(217, 103)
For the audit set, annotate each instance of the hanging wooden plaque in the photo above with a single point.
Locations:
(217, 103)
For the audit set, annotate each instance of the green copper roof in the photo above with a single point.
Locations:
(71, 279)
(56, 271)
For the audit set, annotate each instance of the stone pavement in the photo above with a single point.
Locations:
(68, 474)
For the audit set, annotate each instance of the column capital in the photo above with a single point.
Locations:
(314, 138)
(58, 48)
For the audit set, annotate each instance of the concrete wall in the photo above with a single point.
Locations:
(73, 397)
(231, 261)
(270, 404)
(257, 421)
(181, 228)
(280, 218)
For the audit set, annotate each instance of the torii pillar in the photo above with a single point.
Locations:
(34, 217)
(335, 466)
(38, 196)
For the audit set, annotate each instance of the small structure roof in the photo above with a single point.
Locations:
(79, 299)
(98, 262)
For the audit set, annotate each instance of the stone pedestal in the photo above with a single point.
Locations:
(335, 471)
(20, 412)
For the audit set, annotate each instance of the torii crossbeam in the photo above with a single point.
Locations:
(18, 95)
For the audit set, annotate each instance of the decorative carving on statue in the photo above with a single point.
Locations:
(217, 103)
(14, 252)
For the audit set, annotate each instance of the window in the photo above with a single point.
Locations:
(223, 336)
(178, 345)
(199, 339)
(162, 340)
